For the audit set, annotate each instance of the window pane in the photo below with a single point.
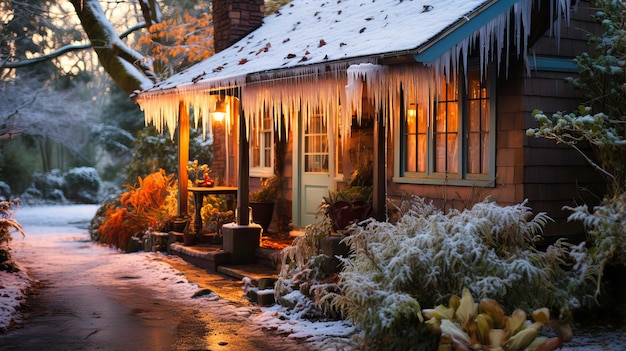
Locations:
(485, 154)
(440, 123)
(411, 153)
(485, 115)
(421, 151)
(316, 145)
(452, 154)
(473, 153)
(474, 118)
(478, 126)
(453, 117)
(440, 153)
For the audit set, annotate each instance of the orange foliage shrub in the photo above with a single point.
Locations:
(144, 206)
(176, 43)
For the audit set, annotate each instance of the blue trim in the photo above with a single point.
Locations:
(461, 32)
(552, 64)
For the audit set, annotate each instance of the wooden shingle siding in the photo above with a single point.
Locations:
(555, 176)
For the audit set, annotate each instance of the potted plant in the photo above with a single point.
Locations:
(352, 203)
(349, 205)
(262, 201)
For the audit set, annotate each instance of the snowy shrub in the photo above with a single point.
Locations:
(7, 224)
(5, 191)
(31, 196)
(427, 256)
(49, 184)
(606, 234)
(598, 136)
(301, 270)
(82, 185)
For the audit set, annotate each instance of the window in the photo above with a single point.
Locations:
(451, 137)
(316, 145)
(262, 146)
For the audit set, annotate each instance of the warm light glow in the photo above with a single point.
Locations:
(220, 110)
(412, 111)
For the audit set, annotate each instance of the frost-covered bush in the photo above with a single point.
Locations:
(82, 185)
(5, 191)
(8, 224)
(428, 256)
(607, 235)
(302, 270)
(596, 129)
(49, 185)
(602, 81)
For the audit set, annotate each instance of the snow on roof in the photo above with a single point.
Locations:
(308, 32)
(306, 38)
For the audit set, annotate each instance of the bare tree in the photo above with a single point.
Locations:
(42, 113)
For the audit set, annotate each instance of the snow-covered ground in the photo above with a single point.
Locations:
(64, 229)
(53, 226)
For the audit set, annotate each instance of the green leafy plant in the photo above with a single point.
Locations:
(153, 151)
(270, 189)
(348, 205)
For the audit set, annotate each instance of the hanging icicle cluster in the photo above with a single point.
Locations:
(494, 37)
(285, 98)
(161, 108)
(326, 89)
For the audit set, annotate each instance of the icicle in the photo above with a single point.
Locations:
(490, 38)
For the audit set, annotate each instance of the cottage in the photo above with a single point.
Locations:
(435, 95)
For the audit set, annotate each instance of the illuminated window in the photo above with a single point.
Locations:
(453, 139)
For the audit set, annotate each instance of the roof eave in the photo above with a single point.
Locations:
(455, 33)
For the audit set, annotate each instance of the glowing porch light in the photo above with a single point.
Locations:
(220, 110)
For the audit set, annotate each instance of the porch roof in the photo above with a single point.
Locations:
(306, 36)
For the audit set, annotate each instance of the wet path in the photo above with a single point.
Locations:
(93, 298)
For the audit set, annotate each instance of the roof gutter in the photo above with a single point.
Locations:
(444, 41)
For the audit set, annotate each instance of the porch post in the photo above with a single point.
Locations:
(183, 158)
(379, 195)
(241, 239)
(243, 180)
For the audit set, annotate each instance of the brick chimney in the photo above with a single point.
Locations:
(234, 19)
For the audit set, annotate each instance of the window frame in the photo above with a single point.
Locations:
(462, 177)
(263, 170)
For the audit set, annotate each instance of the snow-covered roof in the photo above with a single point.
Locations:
(306, 38)
(308, 32)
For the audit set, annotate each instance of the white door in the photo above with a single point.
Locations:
(315, 166)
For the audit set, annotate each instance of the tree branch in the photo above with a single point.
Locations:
(63, 50)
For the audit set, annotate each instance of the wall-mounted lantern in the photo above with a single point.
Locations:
(220, 109)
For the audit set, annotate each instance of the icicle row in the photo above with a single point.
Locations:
(493, 34)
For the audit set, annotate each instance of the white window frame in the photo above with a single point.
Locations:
(266, 143)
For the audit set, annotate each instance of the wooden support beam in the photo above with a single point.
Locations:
(243, 179)
(183, 158)
(379, 195)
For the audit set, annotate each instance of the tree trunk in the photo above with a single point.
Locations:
(123, 64)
